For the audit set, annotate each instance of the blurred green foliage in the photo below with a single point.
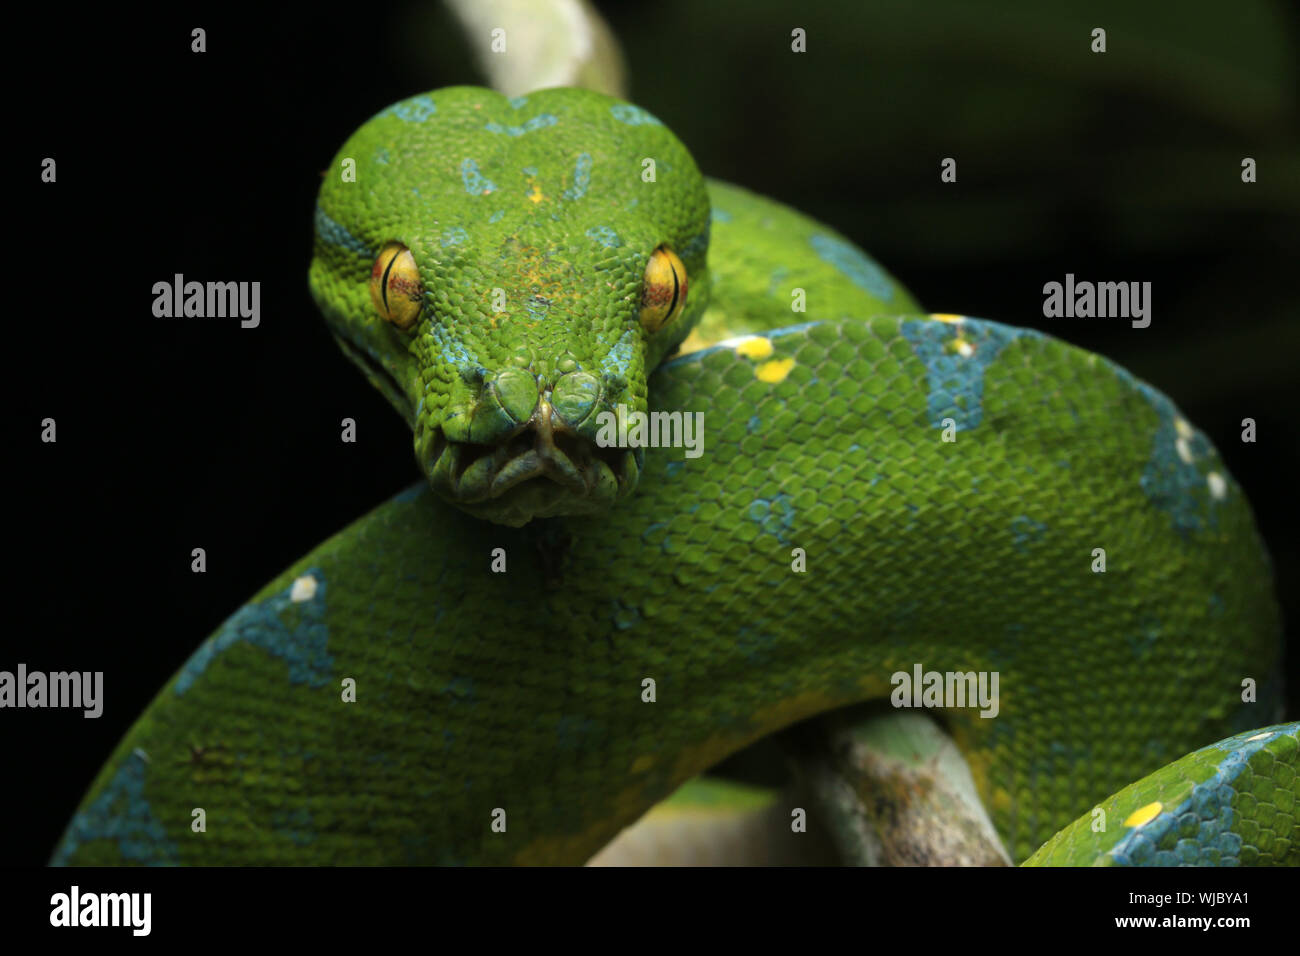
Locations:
(1153, 130)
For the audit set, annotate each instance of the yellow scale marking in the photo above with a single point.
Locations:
(774, 371)
(1144, 815)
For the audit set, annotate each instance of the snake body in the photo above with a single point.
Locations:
(514, 659)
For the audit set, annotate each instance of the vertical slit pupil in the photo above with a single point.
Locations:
(676, 289)
(383, 283)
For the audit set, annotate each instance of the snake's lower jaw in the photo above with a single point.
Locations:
(534, 474)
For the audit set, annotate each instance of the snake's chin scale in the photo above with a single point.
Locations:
(528, 477)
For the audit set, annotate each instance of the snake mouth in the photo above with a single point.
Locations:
(377, 374)
(538, 472)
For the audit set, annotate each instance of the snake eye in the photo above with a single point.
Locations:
(395, 286)
(664, 294)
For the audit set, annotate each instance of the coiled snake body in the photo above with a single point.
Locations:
(553, 633)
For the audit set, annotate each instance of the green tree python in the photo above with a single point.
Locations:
(515, 659)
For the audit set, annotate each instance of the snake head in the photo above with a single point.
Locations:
(507, 272)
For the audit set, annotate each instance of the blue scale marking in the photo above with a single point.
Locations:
(956, 381)
(304, 646)
(452, 349)
(625, 616)
(632, 115)
(696, 245)
(476, 184)
(859, 267)
(790, 329)
(541, 121)
(1175, 486)
(774, 516)
(1207, 812)
(700, 354)
(1171, 484)
(1147, 635)
(121, 813)
(537, 306)
(606, 236)
(411, 494)
(330, 231)
(775, 279)
(581, 177)
(416, 109)
(1026, 532)
(619, 359)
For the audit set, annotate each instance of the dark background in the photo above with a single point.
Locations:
(192, 433)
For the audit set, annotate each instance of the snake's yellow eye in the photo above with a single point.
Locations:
(395, 286)
(664, 294)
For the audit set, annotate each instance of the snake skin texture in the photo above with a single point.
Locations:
(879, 489)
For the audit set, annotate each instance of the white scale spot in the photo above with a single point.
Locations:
(965, 349)
(1184, 450)
(1262, 736)
(1184, 430)
(1218, 487)
(735, 340)
(304, 589)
